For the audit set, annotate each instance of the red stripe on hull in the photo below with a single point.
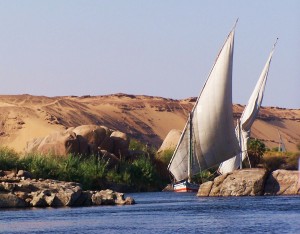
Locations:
(182, 190)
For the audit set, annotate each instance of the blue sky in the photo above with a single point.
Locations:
(160, 47)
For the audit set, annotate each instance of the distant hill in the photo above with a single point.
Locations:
(146, 118)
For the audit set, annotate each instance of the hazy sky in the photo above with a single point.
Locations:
(159, 47)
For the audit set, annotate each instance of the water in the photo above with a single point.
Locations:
(163, 213)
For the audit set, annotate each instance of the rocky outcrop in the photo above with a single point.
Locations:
(283, 182)
(18, 192)
(83, 140)
(245, 182)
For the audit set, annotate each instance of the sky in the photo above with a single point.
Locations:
(160, 47)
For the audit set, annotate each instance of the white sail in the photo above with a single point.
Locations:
(213, 137)
(249, 115)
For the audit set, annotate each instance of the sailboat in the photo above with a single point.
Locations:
(208, 137)
(281, 146)
(245, 122)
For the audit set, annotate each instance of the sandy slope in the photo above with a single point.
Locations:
(147, 118)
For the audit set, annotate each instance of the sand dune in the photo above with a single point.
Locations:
(146, 118)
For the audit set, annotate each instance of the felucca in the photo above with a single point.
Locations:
(208, 137)
(249, 114)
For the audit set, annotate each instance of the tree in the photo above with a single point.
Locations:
(256, 150)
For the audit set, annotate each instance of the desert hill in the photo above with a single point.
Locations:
(146, 118)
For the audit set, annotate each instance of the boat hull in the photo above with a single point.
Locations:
(185, 186)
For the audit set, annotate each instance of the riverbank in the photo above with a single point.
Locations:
(19, 190)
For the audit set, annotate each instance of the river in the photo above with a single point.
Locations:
(163, 213)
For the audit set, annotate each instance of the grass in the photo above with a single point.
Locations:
(92, 172)
(281, 160)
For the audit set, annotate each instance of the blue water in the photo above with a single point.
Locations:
(163, 213)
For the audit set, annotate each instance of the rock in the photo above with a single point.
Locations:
(105, 197)
(217, 185)
(25, 174)
(85, 199)
(15, 192)
(67, 197)
(93, 134)
(283, 182)
(120, 144)
(129, 201)
(84, 140)
(38, 199)
(245, 182)
(205, 189)
(9, 200)
(111, 159)
(59, 143)
(170, 142)
(9, 174)
(168, 188)
(21, 195)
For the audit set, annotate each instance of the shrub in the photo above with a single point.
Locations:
(256, 150)
(273, 163)
(8, 159)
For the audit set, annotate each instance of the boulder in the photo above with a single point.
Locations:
(120, 144)
(9, 200)
(245, 182)
(38, 199)
(205, 189)
(93, 134)
(24, 174)
(66, 197)
(171, 141)
(217, 185)
(85, 199)
(60, 143)
(129, 201)
(104, 197)
(283, 182)
(111, 159)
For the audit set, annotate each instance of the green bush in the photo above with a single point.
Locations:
(273, 163)
(8, 159)
(256, 150)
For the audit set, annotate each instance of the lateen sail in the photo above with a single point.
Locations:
(249, 115)
(213, 136)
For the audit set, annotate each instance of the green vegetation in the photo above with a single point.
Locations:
(256, 150)
(281, 160)
(139, 173)
(272, 160)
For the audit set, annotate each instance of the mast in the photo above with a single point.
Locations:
(240, 141)
(190, 148)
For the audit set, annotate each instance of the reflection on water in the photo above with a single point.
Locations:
(163, 213)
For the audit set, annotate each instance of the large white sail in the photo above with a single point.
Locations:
(249, 115)
(213, 136)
